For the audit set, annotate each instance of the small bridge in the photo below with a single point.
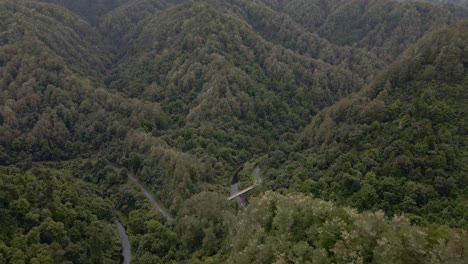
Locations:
(241, 192)
(235, 185)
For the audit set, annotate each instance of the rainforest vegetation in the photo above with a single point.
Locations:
(354, 112)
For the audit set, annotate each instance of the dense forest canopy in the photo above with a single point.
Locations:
(90, 10)
(384, 27)
(462, 3)
(360, 104)
(49, 217)
(391, 146)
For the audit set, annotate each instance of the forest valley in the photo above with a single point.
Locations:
(354, 112)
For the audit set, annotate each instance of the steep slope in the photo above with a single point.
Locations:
(311, 14)
(191, 92)
(123, 24)
(63, 33)
(204, 87)
(90, 10)
(50, 68)
(229, 93)
(400, 144)
(462, 3)
(231, 90)
(385, 28)
(280, 29)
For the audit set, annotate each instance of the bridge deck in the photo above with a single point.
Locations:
(241, 192)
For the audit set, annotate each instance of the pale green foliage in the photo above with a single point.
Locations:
(299, 229)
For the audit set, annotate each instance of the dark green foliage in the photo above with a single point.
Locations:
(462, 3)
(400, 144)
(49, 217)
(121, 24)
(50, 106)
(229, 91)
(151, 237)
(90, 10)
(181, 94)
(203, 223)
(384, 27)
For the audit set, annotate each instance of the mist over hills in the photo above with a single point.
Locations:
(360, 103)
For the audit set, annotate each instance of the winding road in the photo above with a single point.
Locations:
(150, 197)
(236, 193)
(126, 250)
(257, 175)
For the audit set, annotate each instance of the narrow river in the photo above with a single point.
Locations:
(126, 250)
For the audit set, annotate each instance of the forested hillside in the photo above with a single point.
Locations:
(123, 23)
(53, 102)
(360, 103)
(399, 144)
(90, 10)
(207, 73)
(462, 3)
(298, 229)
(229, 91)
(384, 27)
(47, 216)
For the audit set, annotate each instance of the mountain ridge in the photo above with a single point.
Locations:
(362, 104)
(419, 100)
